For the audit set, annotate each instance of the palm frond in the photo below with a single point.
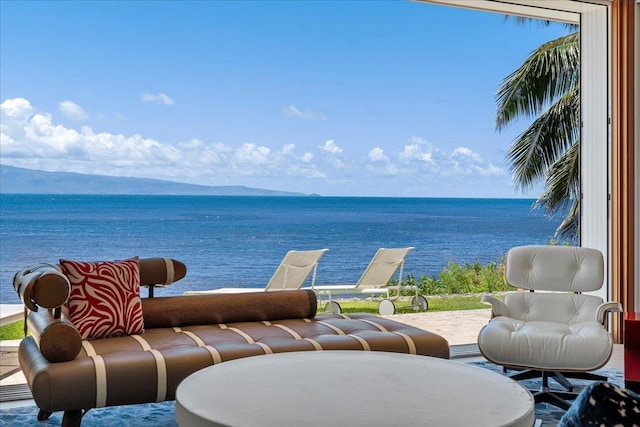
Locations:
(562, 181)
(562, 191)
(534, 151)
(549, 72)
(524, 20)
(570, 226)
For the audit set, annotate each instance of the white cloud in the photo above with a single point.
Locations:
(377, 155)
(17, 108)
(464, 161)
(291, 111)
(331, 147)
(491, 170)
(414, 152)
(251, 154)
(14, 113)
(37, 141)
(36, 138)
(159, 98)
(288, 148)
(73, 111)
(419, 151)
(462, 152)
(421, 160)
(33, 139)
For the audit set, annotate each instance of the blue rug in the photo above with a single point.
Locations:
(162, 414)
(549, 414)
(148, 415)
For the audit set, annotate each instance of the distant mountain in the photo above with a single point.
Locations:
(28, 181)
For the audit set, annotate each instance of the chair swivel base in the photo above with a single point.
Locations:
(556, 398)
(559, 399)
(559, 377)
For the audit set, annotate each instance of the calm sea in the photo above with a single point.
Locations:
(239, 241)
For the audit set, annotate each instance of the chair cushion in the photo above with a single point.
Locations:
(545, 345)
(558, 307)
(105, 297)
(555, 268)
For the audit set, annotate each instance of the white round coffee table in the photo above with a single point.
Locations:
(350, 388)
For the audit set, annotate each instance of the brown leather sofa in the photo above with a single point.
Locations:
(182, 335)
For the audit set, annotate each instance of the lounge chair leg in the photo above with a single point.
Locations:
(562, 380)
(333, 307)
(525, 375)
(552, 398)
(419, 303)
(586, 376)
(556, 398)
(386, 307)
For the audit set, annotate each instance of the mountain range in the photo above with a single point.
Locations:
(14, 180)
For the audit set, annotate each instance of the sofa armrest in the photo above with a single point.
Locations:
(498, 308)
(42, 285)
(56, 337)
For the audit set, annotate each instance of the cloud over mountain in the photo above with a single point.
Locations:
(32, 138)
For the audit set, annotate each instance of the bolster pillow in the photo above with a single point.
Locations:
(167, 312)
(161, 271)
(57, 338)
(42, 285)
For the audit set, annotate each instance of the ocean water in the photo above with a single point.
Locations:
(240, 240)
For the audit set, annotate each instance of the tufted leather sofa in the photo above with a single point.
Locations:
(182, 335)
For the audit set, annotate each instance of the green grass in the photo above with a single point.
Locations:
(12, 331)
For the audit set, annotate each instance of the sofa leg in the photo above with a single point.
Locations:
(72, 418)
(43, 415)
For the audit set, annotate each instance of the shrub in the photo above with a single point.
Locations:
(469, 278)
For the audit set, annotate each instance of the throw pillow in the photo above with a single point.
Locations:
(104, 300)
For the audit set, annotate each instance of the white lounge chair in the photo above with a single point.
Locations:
(375, 281)
(293, 271)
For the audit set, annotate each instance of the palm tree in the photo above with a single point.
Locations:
(546, 87)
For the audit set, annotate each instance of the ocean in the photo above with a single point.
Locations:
(240, 240)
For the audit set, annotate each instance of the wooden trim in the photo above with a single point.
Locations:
(623, 160)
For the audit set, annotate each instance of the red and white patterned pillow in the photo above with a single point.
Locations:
(104, 300)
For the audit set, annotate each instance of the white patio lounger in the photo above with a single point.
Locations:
(293, 271)
(375, 281)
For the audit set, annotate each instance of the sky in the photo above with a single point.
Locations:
(339, 98)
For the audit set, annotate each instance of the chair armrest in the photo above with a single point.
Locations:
(498, 308)
(606, 307)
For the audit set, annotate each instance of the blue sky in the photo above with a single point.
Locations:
(346, 98)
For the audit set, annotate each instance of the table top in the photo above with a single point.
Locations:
(632, 316)
(350, 388)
